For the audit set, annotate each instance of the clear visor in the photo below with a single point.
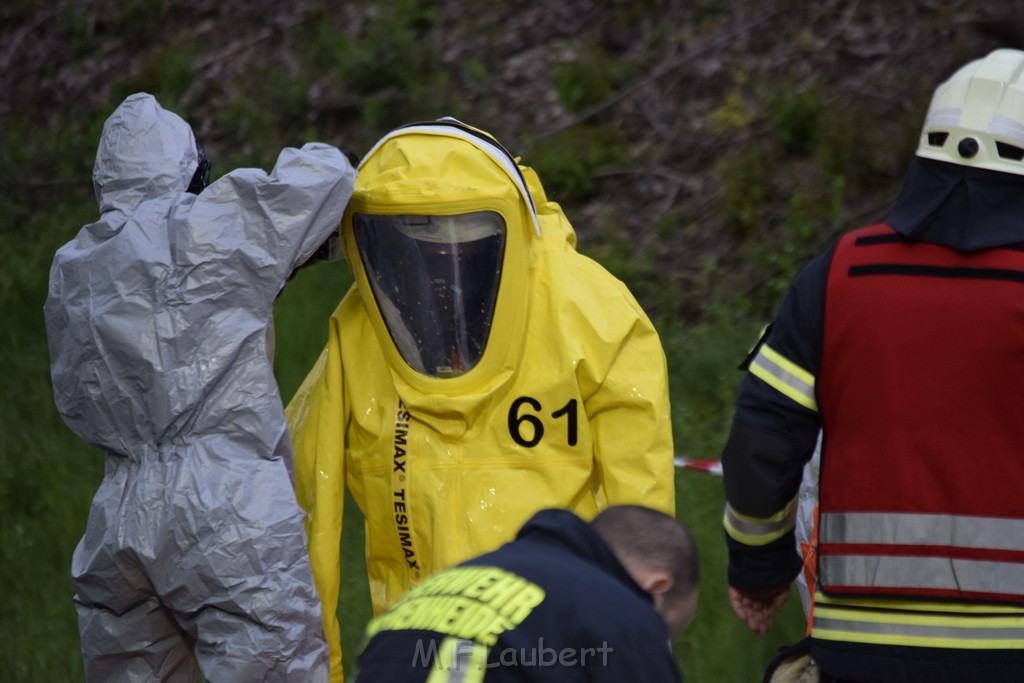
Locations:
(435, 280)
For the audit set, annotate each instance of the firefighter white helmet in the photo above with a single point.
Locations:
(976, 118)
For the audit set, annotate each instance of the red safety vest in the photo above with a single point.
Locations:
(920, 391)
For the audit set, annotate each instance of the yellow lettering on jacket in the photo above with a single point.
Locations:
(475, 603)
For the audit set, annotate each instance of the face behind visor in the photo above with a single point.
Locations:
(435, 280)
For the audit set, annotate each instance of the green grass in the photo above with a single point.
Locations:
(301, 314)
(703, 360)
(717, 647)
(47, 475)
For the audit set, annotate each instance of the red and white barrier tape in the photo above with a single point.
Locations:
(709, 466)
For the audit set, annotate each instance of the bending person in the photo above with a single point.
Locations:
(565, 601)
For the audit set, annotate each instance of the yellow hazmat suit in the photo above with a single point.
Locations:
(564, 405)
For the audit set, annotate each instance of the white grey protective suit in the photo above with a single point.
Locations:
(159, 317)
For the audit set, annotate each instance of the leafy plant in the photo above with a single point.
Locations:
(589, 77)
(569, 161)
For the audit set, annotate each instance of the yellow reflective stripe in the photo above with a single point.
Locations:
(759, 530)
(459, 661)
(915, 641)
(924, 625)
(784, 376)
(896, 636)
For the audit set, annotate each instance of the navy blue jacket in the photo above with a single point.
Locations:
(569, 612)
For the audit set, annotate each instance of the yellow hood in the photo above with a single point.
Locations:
(444, 168)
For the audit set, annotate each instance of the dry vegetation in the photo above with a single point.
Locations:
(700, 146)
(704, 149)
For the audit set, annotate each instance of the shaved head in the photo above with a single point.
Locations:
(651, 544)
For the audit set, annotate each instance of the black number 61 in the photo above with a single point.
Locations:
(517, 418)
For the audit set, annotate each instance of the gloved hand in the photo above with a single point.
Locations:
(329, 251)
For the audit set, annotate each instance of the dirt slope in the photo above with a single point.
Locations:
(709, 145)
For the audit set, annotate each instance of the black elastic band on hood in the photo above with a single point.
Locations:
(201, 178)
(960, 207)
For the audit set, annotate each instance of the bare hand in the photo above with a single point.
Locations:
(756, 608)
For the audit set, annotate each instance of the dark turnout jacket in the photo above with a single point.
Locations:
(553, 605)
(902, 346)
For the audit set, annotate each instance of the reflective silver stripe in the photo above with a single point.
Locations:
(944, 631)
(760, 531)
(918, 610)
(1002, 125)
(890, 528)
(888, 571)
(948, 116)
(784, 376)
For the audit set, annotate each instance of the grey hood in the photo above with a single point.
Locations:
(145, 152)
(159, 314)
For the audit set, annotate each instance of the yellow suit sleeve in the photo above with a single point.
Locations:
(632, 424)
(316, 418)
